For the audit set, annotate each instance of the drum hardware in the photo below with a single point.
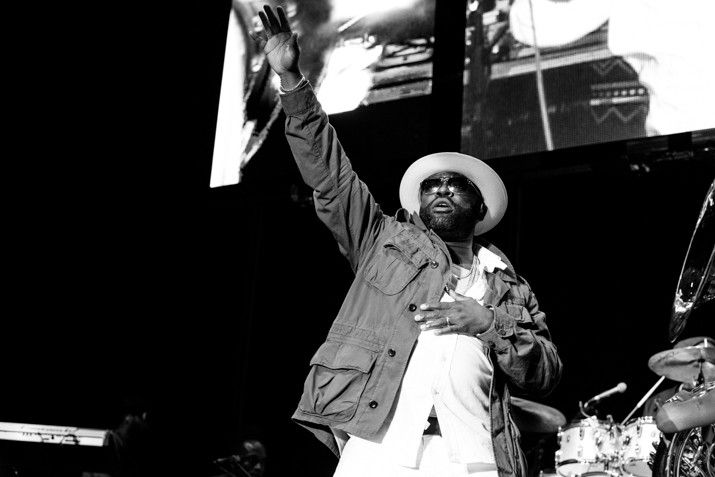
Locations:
(690, 453)
(588, 446)
(640, 439)
(640, 444)
(688, 447)
(643, 399)
(591, 403)
(603, 447)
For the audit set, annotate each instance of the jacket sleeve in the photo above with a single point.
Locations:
(522, 344)
(342, 201)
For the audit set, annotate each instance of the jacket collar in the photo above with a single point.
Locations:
(488, 260)
(499, 270)
(500, 279)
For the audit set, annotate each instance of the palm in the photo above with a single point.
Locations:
(282, 52)
(279, 42)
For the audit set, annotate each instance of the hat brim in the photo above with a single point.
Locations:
(485, 178)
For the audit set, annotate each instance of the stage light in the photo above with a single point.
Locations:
(347, 78)
(345, 9)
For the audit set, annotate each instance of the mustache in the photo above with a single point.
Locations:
(442, 199)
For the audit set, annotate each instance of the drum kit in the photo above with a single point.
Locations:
(603, 447)
(679, 439)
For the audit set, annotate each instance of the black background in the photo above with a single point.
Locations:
(130, 286)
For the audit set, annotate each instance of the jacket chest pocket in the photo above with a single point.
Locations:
(396, 264)
(521, 315)
(338, 376)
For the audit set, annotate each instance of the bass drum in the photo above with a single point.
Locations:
(588, 447)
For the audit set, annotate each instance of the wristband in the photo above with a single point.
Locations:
(300, 83)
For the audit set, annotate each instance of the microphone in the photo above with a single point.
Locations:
(619, 388)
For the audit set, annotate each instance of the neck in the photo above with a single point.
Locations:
(461, 251)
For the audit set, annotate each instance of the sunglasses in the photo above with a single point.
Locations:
(456, 185)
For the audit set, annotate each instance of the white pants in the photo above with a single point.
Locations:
(362, 458)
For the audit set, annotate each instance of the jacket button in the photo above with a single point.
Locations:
(412, 307)
(434, 264)
(390, 352)
(373, 404)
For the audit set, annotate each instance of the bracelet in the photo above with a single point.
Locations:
(300, 83)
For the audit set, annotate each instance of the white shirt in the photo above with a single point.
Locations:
(452, 373)
(668, 44)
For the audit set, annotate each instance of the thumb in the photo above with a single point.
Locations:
(258, 38)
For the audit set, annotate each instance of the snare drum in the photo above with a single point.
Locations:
(639, 440)
(587, 446)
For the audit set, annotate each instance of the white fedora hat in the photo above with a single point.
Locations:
(485, 178)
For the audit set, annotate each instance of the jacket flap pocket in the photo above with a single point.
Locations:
(520, 314)
(338, 355)
(395, 264)
(408, 246)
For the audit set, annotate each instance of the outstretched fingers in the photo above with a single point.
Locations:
(275, 25)
(266, 23)
(284, 25)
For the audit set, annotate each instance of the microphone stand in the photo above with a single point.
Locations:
(583, 408)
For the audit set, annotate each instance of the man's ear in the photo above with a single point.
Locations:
(482, 211)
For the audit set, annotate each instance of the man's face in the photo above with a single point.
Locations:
(450, 205)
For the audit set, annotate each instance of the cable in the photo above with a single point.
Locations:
(540, 85)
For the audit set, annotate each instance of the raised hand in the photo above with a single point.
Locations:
(280, 45)
(464, 315)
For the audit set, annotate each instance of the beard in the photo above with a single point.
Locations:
(457, 225)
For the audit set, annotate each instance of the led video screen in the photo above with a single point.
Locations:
(354, 54)
(548, 74)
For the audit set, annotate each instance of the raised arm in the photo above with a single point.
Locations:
(342, 201)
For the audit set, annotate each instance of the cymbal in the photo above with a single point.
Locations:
(684, 364)
(533, 417)
(701, 341)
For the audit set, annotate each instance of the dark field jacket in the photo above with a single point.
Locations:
(399, 264)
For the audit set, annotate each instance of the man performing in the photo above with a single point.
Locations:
(436, 330)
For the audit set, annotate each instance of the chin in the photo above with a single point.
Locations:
(458, 225)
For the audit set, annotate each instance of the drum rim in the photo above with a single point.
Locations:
(576, 461)
(633, 420)
(589, 423)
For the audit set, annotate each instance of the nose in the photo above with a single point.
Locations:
(444, 189)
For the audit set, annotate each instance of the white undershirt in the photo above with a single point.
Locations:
(452, 374)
